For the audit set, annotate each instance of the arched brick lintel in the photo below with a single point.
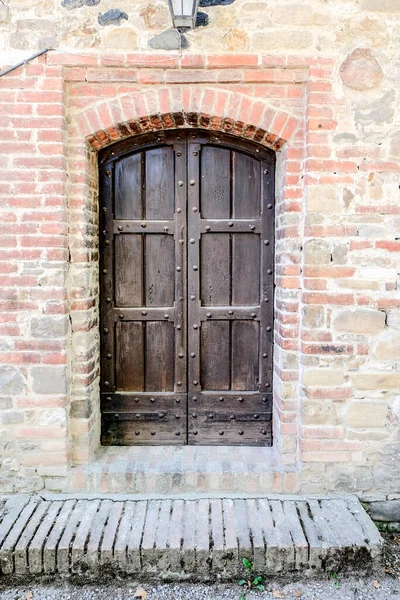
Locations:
(117, 118)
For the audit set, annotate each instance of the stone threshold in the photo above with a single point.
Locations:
(199, 539)
(178, 470)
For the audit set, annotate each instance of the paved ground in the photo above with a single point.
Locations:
(348, 589)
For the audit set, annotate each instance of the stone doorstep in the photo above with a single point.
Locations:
(200, 539)
(176, 469)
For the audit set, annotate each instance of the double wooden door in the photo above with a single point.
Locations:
(186, 246)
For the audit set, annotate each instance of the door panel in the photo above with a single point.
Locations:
(186, 290)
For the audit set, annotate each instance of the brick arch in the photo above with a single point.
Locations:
(216, 109)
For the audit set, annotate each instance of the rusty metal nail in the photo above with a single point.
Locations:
(108, 299)
(107, 242)
(105, 271)
(105, 330)
(179, 153)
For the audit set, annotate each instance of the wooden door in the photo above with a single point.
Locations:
(186, 291)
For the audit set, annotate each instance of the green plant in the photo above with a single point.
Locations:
(336, 581)
(251, 582)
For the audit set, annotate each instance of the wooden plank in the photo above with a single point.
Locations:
(215, 269)
(159, 364)
(160, 197)
(215, 355)
(130, 356)
(129, 433)
(159, 258)
(128, 270)
(128, 187)
(245, 268)
(246, 187)
(245, 355)
(215, 183)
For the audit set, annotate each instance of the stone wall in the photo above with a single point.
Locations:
(318, 82)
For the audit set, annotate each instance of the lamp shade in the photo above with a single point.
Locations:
(184, 13)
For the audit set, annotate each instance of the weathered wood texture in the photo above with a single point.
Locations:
(187, 291)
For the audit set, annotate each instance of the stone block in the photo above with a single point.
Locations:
(313, 316)
(389, 6)
(123, 38)
(366, 414)
(360, 321)
(317, 252)
(80, 409)
(299, 15)
(376, 381)
(323, 377)
(388, 346)
(49, 380)
(351, 479)
(282, 40)
(11, 381)
(10, 417)
(49, 327)
(385, 511)
(361, 70)
(323, 198)
(4, 11)
(393, 319)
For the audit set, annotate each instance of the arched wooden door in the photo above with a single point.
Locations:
(186, 246)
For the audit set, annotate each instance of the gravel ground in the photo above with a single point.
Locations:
(346, 589)
(392, 553)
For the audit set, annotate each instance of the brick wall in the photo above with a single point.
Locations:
(337, 350)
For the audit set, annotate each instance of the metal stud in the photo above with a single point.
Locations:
(109, 356)
(263, 431)
(180, 355)
(166, 228)
(152, 433)
(108, 173)
(266, 299)
(195, 432)
(104, 209)
(137, 416)
(221, 432)
(195, 326)
(177, 400)
(178, 210)
(209, 315)
(269, 271)
(193, 297)
(269, 205)
(195, 382)
(230, 224)
(105, 330)
(210, 416)
(192, 354)
(120, 228)
(195, 209)
(255, 416)
(108, 299)
(177, 416)
(192, 182)
(265, 355)
(221, 399)
(192, 241)
(137, 432)
(195, 268)
(179, 327)
(136, 400)
(108, 398)
(179, 153)
(241, 432)
(257, 150)
(177, 433)
(265, 172)
(179, 383)
(144, 312)
(178, 268)
(267, 385)
(268, 328)
(264, 400)
(152, 399)
(195, 153)
(107, 242)
(230, 312)
(266, 242)
(240, 399)
(107, 383)
(166, 316)
(121, 316)
(194, 398)
(253, 315)
(252, 227)
(105, 271)
(194, 415)
(144, 225)
(180, 183)
(208, 228)
(232, 417)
